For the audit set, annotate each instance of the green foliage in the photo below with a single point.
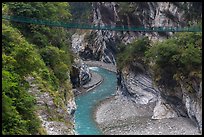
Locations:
(132, 52)
(51, 56)
(19, 59)
(8, 62)
(41, 35)
(81, 12)
(163, 53)
(43, 10)
(58, 60)
(61, 72)
(183, 51)
(32, 50)
(20, 51)
(191, 56)
(12, 122)
(177, 58)
(48, 75)
(183, 39)
(18, 106)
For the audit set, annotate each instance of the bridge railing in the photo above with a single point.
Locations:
(101, 27)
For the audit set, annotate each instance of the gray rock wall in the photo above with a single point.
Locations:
(138, 86)
(153, 14)
(193, 104)
(49, 113)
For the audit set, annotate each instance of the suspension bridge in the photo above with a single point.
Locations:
(99, 27)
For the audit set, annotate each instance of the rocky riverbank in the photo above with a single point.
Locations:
(120, 116)
(107, 66)
(96, 79)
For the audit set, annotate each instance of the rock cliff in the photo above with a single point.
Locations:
(102, 44)
(138, 86)
(137, 83)
(56, 115)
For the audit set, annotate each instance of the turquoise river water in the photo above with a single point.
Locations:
(84, 122)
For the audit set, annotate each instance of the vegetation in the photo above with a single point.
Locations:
(175, 59)
(81, 12)
(38, 51)
(19, 59)
(195, 12)
(44, 53)
(133, 52)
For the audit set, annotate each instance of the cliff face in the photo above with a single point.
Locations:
(137, 84)
(144, 14)
(193, 103)
(56, 114)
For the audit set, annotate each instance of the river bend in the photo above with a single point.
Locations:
(84, 122)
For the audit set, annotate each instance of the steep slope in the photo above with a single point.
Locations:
(37, 92)
(183, 99)
(103, 44)
(171, 70)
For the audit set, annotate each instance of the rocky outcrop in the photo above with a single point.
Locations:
(96, 79)
(84, 74)
(78, 43)
(137, 85)
(103, 43)
(119, 115)
(193, 104)
(80, 73)
(56, 119)
(163, 110)
(184, 102)
(71, 107)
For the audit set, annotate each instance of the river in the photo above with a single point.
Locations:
(84, 122)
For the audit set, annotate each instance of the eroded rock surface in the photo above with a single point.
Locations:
(49, 113)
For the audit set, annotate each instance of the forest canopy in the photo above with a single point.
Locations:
(32, 50)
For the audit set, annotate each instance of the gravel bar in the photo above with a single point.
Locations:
(119, 116)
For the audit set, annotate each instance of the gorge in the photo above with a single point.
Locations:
(137, 80)
(63, 81)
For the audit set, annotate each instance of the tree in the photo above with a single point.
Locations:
(178, 57)
(132, 52)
